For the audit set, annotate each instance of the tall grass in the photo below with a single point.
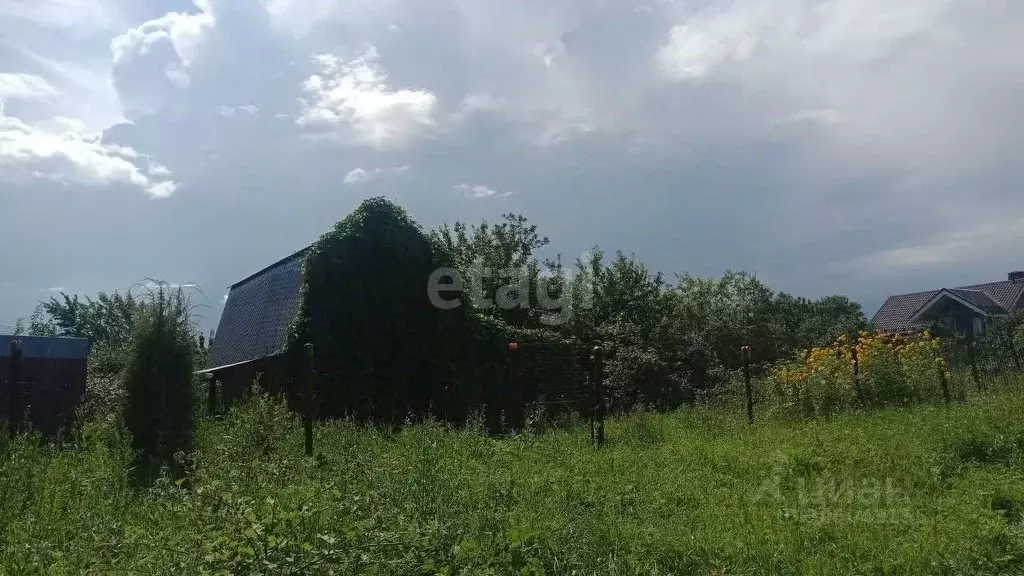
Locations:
(930, 489)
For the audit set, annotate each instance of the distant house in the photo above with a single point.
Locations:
(51, 383)
(967, 309)
(253, 328)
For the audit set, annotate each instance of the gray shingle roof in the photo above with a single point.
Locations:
(979, 299)
(895, 313)
(257, 314)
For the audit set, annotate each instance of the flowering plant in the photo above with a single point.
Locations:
(876, 368)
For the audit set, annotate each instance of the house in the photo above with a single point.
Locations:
(51, 382)
(253, 328)
(966, 309)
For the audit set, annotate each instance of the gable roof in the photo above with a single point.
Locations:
(257, 313)
(896, 313)
(978, 298)
(977, 302)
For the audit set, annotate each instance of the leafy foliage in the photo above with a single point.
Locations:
(110, 317)
(364, 308)
(159, 403)
(491, 257)
(1002, 346)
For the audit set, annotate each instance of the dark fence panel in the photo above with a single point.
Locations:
(50, 390)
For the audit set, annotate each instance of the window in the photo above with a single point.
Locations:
(979, 325)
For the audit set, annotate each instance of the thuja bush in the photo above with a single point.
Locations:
(158, 382)
(894, 369)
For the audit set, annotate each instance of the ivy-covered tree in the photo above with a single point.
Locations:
(365, 309)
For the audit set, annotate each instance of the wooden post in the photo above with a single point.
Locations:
(601, 406)
(15, 410)
(856, 373)
(307, 420)
(514, 387)
(517, 377)
(745, 356)
(972, 359)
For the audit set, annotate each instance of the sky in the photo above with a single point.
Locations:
(862, 147)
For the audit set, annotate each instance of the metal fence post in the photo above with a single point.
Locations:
(1013, 354)
(600, 405)
(973, 360)
(856, 373)
(14, 391)
(944, 381)
(307, 420)
(745, 356)
(593, 399)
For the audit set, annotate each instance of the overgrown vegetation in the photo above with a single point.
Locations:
(159, 408)
(868, 371)
(930, 490)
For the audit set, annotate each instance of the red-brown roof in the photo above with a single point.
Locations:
(895, 313)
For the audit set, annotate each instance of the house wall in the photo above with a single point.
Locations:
(960, 317)
(235, 383)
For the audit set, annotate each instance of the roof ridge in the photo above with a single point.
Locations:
(271, 267)
(967, 286)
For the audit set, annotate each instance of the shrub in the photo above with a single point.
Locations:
(158, 382)
(638, 378)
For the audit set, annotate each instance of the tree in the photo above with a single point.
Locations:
(491, 257)
(159, 408)
(725, 314)
(110, 317)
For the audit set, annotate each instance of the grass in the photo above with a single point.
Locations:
(923, 490)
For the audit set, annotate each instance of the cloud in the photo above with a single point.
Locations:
(247, 109)
(71, 16)
(711, 39)
(24, 86)
(152, 61)
(352, 100)
(479, 191)
(29, 152)
(790, 136)
(941, 250)
(361, 176)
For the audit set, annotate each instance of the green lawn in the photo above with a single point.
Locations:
(925, 490)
